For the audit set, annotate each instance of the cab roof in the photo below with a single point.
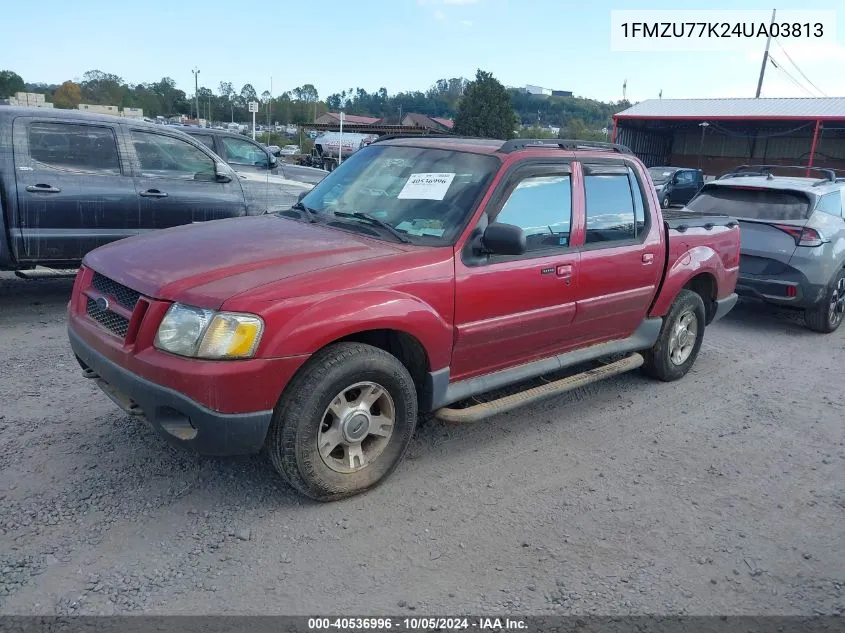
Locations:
(498, 146)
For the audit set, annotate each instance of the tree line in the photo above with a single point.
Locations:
(577, 116)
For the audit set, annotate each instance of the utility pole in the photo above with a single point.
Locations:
(196, 72)
(269, 105)
(765, 58)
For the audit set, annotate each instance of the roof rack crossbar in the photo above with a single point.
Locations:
(388, 137)
(567, 144)
(761, 170)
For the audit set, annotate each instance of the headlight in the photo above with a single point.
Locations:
(199, 333)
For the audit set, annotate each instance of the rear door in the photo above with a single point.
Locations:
(621, 258)
(176, 184)
(769, 220)
(75, 193)
(513, 309)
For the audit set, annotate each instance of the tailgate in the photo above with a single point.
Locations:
(765, 216)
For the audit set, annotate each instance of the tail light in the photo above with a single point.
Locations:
(803, 236)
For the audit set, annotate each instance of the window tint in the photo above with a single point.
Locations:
(208, 141)
(241, 152)
(169, 157)
(542, 207)
(85, 148)
(751, 203)
(610, 208)
(831, 204)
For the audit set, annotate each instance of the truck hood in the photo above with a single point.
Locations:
(206, 264)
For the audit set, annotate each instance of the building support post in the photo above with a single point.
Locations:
(613, 133)
(814, 145)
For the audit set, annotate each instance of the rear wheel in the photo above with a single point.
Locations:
(828, 315)
(665, 201)
(680, 339)
(344, 423)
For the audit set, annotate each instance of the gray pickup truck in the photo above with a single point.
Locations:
(72, 181)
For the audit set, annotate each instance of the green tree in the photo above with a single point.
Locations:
(486, 109)
(248, 94)
(10, 83)
(68, 95)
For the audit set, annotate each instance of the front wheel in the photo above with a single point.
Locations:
(680, 339)
(665, 201)
(828, 316)
(344, 422)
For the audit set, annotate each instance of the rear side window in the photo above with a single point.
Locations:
(206, 140)
(74, 147)
(831, 204)
(614, 205)
(751, 203)
(686, 177)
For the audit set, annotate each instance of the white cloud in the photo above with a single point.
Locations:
(459, 1)
(438, 15)
(466, 23)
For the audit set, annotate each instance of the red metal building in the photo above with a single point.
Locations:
(719, 134)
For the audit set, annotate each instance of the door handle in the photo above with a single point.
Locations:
(42, 188)
(153, 193)
(648, 258)
(564, 271)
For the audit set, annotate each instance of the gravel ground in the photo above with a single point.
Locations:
(723, 493)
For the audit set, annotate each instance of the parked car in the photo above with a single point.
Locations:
(676, 185)
(423, 272)
(246, 155)
(77, 180)
(793, 237)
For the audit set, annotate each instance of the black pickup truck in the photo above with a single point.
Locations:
(71, 181)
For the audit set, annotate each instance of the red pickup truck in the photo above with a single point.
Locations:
(420, 276)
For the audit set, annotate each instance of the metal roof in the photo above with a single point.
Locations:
(763, 108)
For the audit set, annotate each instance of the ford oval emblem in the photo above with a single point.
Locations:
(102, 304)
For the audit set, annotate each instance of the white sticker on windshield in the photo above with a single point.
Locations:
(426, 187)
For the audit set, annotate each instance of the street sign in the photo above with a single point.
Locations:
(253, 106)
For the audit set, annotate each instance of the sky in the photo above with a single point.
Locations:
(400, 45)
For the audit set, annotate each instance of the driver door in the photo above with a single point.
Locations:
(510, 310)
(176, 184)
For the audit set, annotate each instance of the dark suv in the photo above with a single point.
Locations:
(245, 154)
(676, 185)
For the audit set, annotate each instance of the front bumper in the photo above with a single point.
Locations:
(178, 418)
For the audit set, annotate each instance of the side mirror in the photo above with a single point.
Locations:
(222, 172)
(504, 239)
(301, 195)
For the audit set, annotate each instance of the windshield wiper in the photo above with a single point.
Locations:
(375, 221)
(307, 213)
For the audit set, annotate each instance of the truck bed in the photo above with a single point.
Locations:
(680, 220)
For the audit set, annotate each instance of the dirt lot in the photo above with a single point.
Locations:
(722, 493)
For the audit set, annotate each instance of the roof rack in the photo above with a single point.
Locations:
(766, 170)
(390, 137)
(568, 144)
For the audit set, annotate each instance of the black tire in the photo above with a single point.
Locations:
(300, 414)
(658, 360)
(828, 315)
(665, 201)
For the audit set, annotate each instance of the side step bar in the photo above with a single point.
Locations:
(46, 273)
(507, 403)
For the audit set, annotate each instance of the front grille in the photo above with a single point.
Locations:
(123, 295)
(112, 321)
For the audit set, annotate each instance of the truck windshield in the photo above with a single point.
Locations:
(424, 193)
(752, 203)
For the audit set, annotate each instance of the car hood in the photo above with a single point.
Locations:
(206, 264)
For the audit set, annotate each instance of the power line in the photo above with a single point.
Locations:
(798, 69)
(791, 78)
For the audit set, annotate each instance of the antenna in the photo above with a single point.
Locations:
(625, 90)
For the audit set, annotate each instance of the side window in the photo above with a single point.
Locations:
(240, 152)
(611, 213)
(686, 177)
(84, 148)
(168, 157)
(542, 207)
(831, 204)
(208, 141)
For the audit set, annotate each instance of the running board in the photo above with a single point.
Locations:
(46, 273)
(507, 403)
